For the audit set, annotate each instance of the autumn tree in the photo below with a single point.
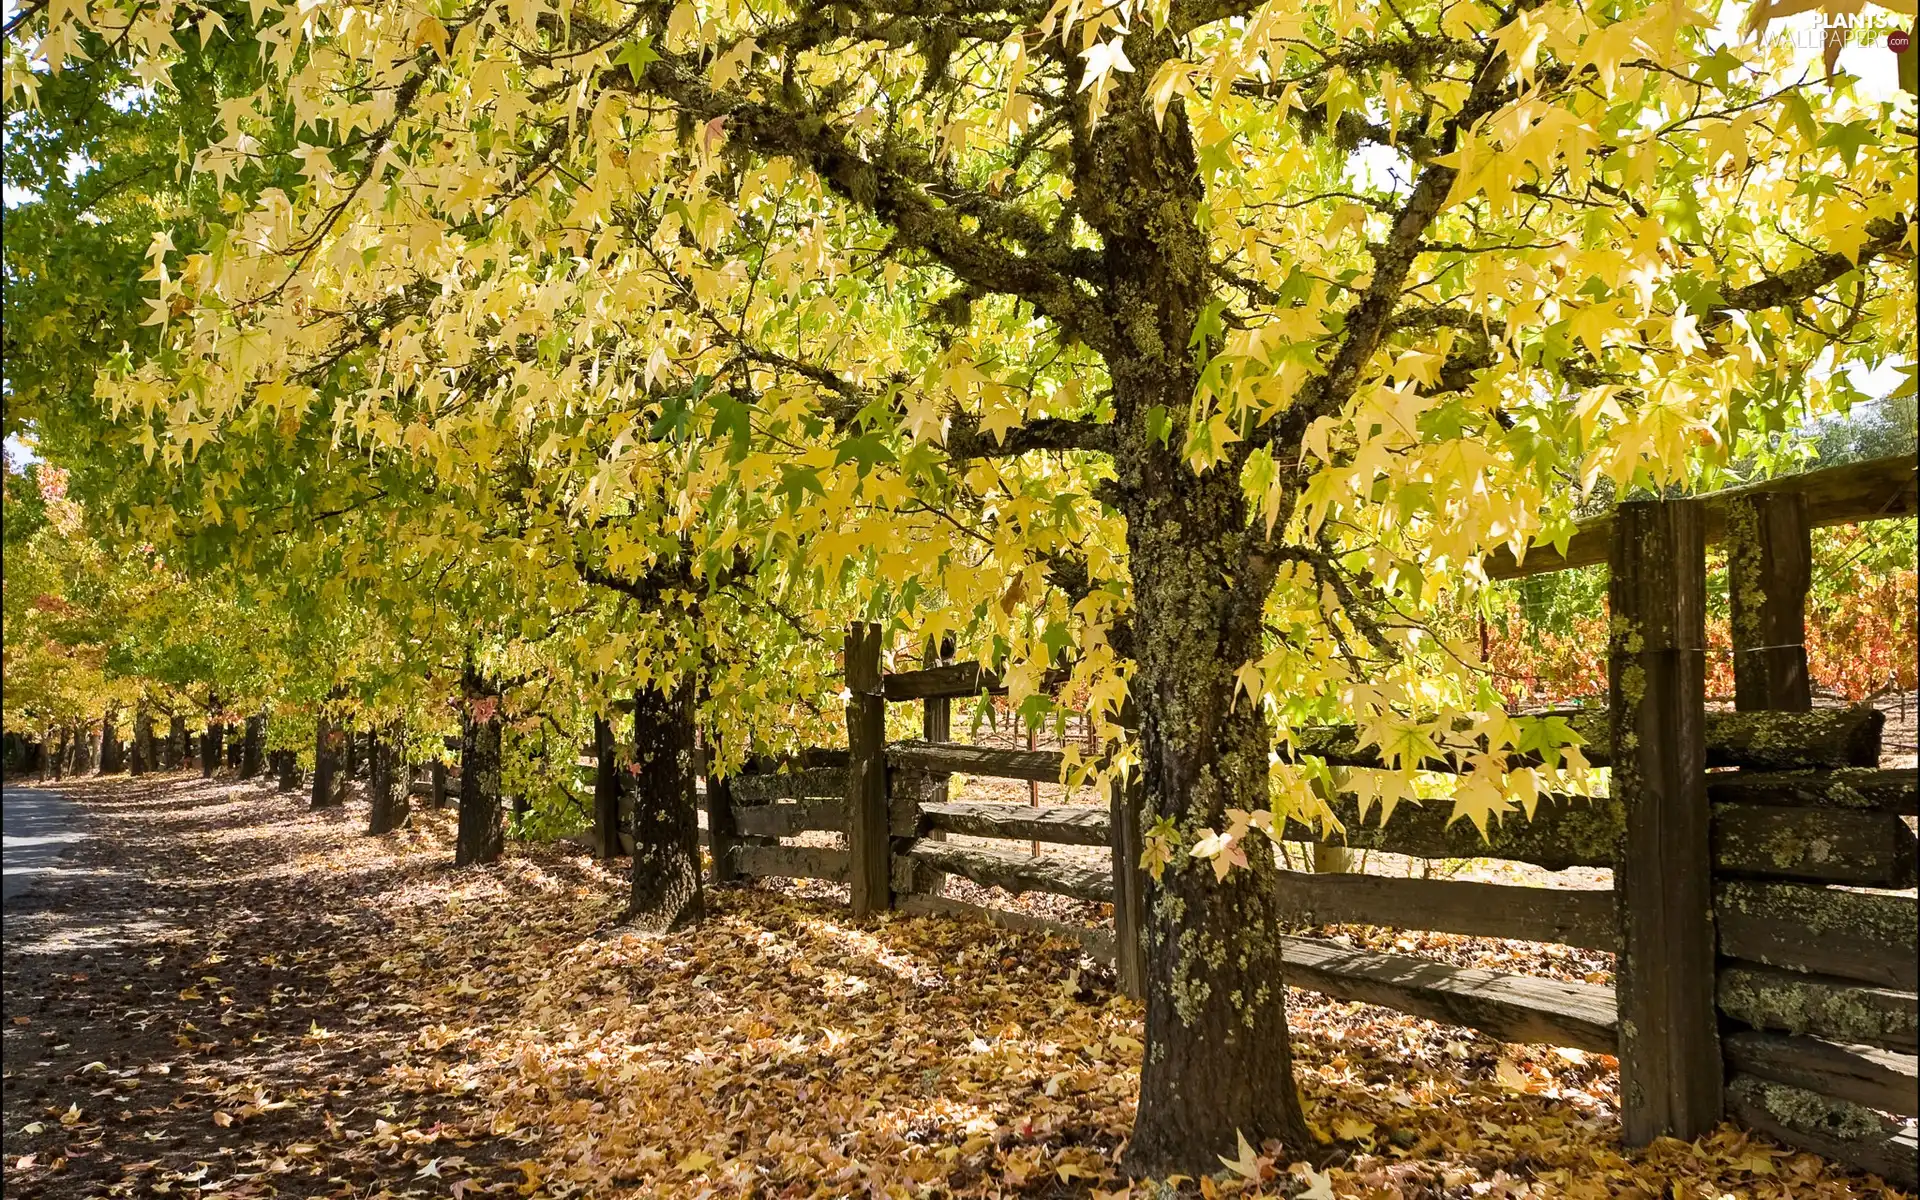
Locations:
(1205, 344)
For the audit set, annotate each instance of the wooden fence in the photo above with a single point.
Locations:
(1762, 969)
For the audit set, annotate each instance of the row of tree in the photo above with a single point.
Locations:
(484, 368)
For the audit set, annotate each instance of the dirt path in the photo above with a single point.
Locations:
(223, 995)
(41, 826)
(162, 993)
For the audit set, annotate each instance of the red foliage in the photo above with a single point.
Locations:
(1536, 665)
(53, 482)
(1861, 630)
(1861, 640)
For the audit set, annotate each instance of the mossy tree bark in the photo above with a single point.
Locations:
(252, 744)
(482, 835)
(142, 759)
(1218, 1063)
(387, 783)
(82, 750)
(667, 889)
(327, 789)
(174, 756)
(112, 750)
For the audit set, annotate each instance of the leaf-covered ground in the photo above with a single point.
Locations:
(224, 995)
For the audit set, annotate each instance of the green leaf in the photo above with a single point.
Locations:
(635, 56)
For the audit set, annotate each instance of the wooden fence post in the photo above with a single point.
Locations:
(1769, 570)
(1670, 1069)
(936, 725)
(867, 833)
(606, 791)
(936, 717)
(1129, 889)
(722, 832)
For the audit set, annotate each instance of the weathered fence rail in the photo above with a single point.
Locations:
(1842, 495)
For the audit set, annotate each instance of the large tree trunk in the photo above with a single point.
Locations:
(287, 764)
(1217, 1060)
(142, 760)
(60, 755)
(213, 744)
(82, 751)
(328, 788)
(667, 890)
(482, 837)
(250, 748)
(388, 780)
(174, 755)
(112, 753)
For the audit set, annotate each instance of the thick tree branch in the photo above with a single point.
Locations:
(965, 439)
(897, 187)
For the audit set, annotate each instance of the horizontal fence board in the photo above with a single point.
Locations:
(1512, 1008)
(1763, 741)
(1864, 849)
(813, 782)
(1822, 930)
(952, 681)
(1858, 491)
(794, 862)
(1565, 832)
(956, 681)
(1770, 741)
(1534, 914)
(1040, 766)
(1882, 1079)
(1836, 1129)
(1016, 872)
(786, 819)
(1068, 824)
(1097, 942)
(1843, 1010)
(1868, 789)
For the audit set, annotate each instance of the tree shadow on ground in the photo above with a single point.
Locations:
(230, 988)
